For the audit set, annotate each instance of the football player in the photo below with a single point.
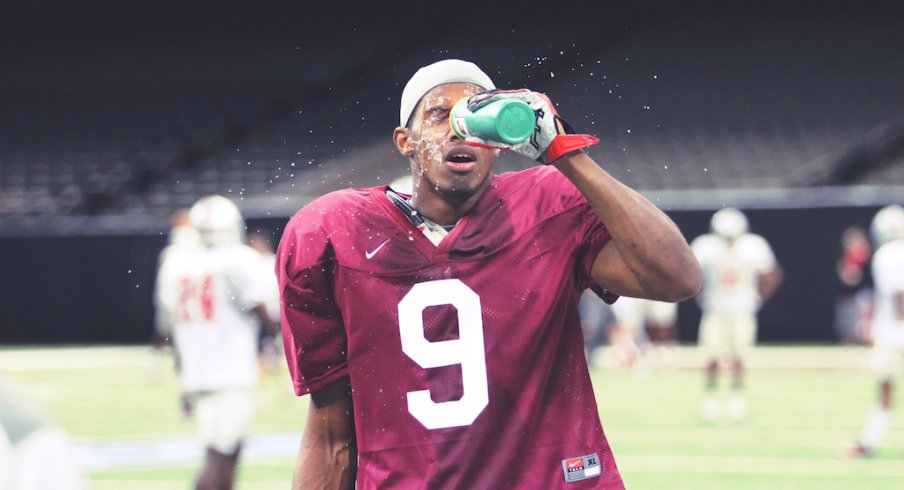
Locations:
(887, 229)
(740, 272)
(270, 347)
(596, 322)
(438, 332)
(35, 453)
(183, 244)
(854, 304)
(217, 302)
(642, 329)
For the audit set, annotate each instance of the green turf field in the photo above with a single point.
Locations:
(806, 407)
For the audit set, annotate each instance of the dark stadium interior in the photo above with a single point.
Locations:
(112, 115)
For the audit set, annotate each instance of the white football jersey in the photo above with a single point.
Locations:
(268, 262)
(636, 313)
(210, 296)
(730, 271)
(888, 277)
(184, 244)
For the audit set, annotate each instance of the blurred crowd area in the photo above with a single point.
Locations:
(115, 117)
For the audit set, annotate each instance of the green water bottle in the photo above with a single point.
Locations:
(505, 121)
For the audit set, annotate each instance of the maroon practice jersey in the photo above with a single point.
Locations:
(466, 359)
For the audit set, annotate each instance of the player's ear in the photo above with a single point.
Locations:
(403, 141)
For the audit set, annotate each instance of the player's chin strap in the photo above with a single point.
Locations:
(434, 232)
(406, 208)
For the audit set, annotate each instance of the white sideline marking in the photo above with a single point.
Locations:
(740, 465)
(182, 450)
(130, 455)
(29, 358)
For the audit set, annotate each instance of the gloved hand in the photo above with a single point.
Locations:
(552, 136)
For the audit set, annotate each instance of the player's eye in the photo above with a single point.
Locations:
(438, 115)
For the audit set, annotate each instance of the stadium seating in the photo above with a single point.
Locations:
(741, 114)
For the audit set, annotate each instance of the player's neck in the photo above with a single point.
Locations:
(443, 210)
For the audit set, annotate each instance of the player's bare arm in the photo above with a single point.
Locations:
(268, 324)
(650, 257)
(328, 456)
(769, 282)
(899, 306)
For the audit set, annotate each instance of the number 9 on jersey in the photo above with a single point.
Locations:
(467, 350)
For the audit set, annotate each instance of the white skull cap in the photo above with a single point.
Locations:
(445, 71)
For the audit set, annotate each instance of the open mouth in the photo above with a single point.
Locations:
(461, 158)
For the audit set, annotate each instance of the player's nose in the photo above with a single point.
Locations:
(451, 135)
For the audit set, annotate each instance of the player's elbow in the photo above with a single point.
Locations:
(685, 282)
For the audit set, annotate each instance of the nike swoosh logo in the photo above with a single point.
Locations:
(370, 255)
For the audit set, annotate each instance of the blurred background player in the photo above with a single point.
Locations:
(854, 304)
(216, 303)
(887, 230)
(596, 321)
(182, 246)
(261, 241)
(739, 274)
(642, 330)
(661, 323)
(270, 344)
(35, 454)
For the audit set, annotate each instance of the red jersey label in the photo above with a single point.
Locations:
(577, 469)
(575, 464)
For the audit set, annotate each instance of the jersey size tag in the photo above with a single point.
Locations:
(581, 468)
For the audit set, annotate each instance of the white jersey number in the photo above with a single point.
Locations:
(467, 350)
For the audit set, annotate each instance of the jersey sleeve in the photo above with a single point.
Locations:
(314, 336)
(887, 265)
(764, 258)
(252, 281)
(165, 297)
(591, 234)
(700, 248)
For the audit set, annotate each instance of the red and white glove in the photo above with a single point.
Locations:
(552, 136)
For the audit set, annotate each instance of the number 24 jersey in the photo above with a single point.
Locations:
(465, 358)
